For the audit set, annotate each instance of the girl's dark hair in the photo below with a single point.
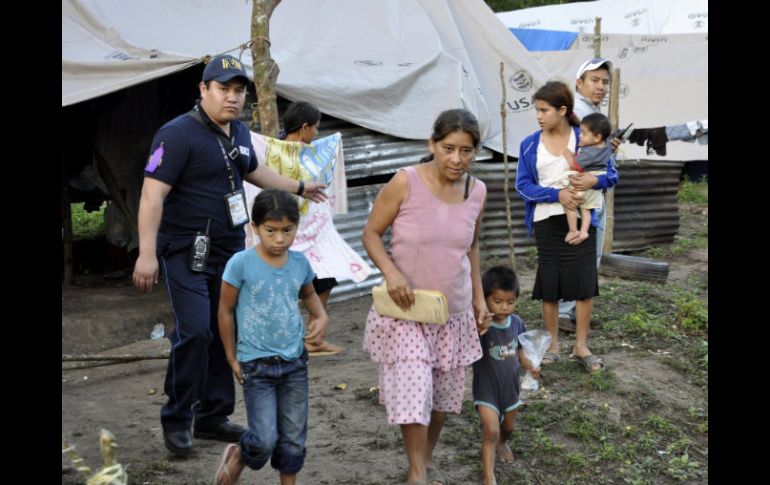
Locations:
(500, 278)
(557, 94)
(274, 205)
(597, 123)
(453, 120)
(297, 114)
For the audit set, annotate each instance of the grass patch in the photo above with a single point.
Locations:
(599, 381)
(694, 192)
(692, 314)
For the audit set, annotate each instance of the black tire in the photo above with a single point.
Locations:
(634, 268)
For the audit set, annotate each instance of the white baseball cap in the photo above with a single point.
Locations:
(593, 64)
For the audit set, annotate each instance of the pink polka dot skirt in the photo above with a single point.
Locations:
(422, 366)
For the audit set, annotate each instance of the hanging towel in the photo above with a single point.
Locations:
(317, 238)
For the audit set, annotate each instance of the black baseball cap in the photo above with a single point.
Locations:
(224, 68)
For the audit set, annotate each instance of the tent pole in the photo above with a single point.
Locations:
(598, 37)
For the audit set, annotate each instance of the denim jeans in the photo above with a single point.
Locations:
(275, 392)
(567, 308)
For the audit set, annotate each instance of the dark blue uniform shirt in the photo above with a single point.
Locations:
(191, 161)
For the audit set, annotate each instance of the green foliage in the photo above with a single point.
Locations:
(642, 323)
(87, 225)
(506, 5)
(692, 313)
(658, 423)
(694, 192)
(682, 467)
(576, 460)
(599, 381)
(583, 428)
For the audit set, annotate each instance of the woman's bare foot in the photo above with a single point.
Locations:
(571, 236)
(504, 453)
(490, 480)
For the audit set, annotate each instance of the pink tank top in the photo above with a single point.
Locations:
(431, 240)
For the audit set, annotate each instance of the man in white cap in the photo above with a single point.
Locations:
(591, 86)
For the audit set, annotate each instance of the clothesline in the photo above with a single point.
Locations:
(656, 138)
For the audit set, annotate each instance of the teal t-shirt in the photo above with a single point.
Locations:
(267, 312)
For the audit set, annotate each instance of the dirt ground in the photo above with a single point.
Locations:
(349, 440)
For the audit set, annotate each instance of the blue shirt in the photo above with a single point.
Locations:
(191, 161)
(267, 312)
(527, 179)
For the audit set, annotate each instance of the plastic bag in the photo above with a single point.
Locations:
(534, 343)
(158, 331)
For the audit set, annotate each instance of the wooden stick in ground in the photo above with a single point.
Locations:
(87, 365)
(609, 197)
(503, 115)
(86, 361)
(122, 358)
(265, 68)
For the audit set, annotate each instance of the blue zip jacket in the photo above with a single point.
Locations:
(532, 193)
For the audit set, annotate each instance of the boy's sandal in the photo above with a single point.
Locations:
(223, 475)
(551, 357)
(589, 362)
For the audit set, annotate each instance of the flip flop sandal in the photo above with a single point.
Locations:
(222, 476)
(435, 476)
(588, 362)
(325, 349)
(552, 356)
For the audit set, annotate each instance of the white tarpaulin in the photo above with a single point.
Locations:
(618, 16)
(390, 66)
(659, 85)
(615, 41)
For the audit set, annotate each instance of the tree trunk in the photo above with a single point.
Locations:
(265, 68)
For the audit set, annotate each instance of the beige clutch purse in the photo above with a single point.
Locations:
(430, 306)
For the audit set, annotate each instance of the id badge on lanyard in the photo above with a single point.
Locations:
(236, 208)
(235, 200)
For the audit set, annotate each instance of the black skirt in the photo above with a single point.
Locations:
(564, 271)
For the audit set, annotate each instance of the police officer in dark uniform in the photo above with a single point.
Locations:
(191, 215)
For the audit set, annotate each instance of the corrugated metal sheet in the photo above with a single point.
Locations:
(646, 210)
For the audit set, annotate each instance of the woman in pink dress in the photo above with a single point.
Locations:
(435, 211)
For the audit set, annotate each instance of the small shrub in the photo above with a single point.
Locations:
(87, 225)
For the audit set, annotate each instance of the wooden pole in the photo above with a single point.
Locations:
(609, 197)
(598, 37)
(122, 358)
(69, 275)
(265, 68)
(503, 115)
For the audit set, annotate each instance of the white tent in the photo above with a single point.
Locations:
(390, 66)
(618, 17)
(660, 46)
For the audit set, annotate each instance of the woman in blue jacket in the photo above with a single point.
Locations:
(565, 271)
